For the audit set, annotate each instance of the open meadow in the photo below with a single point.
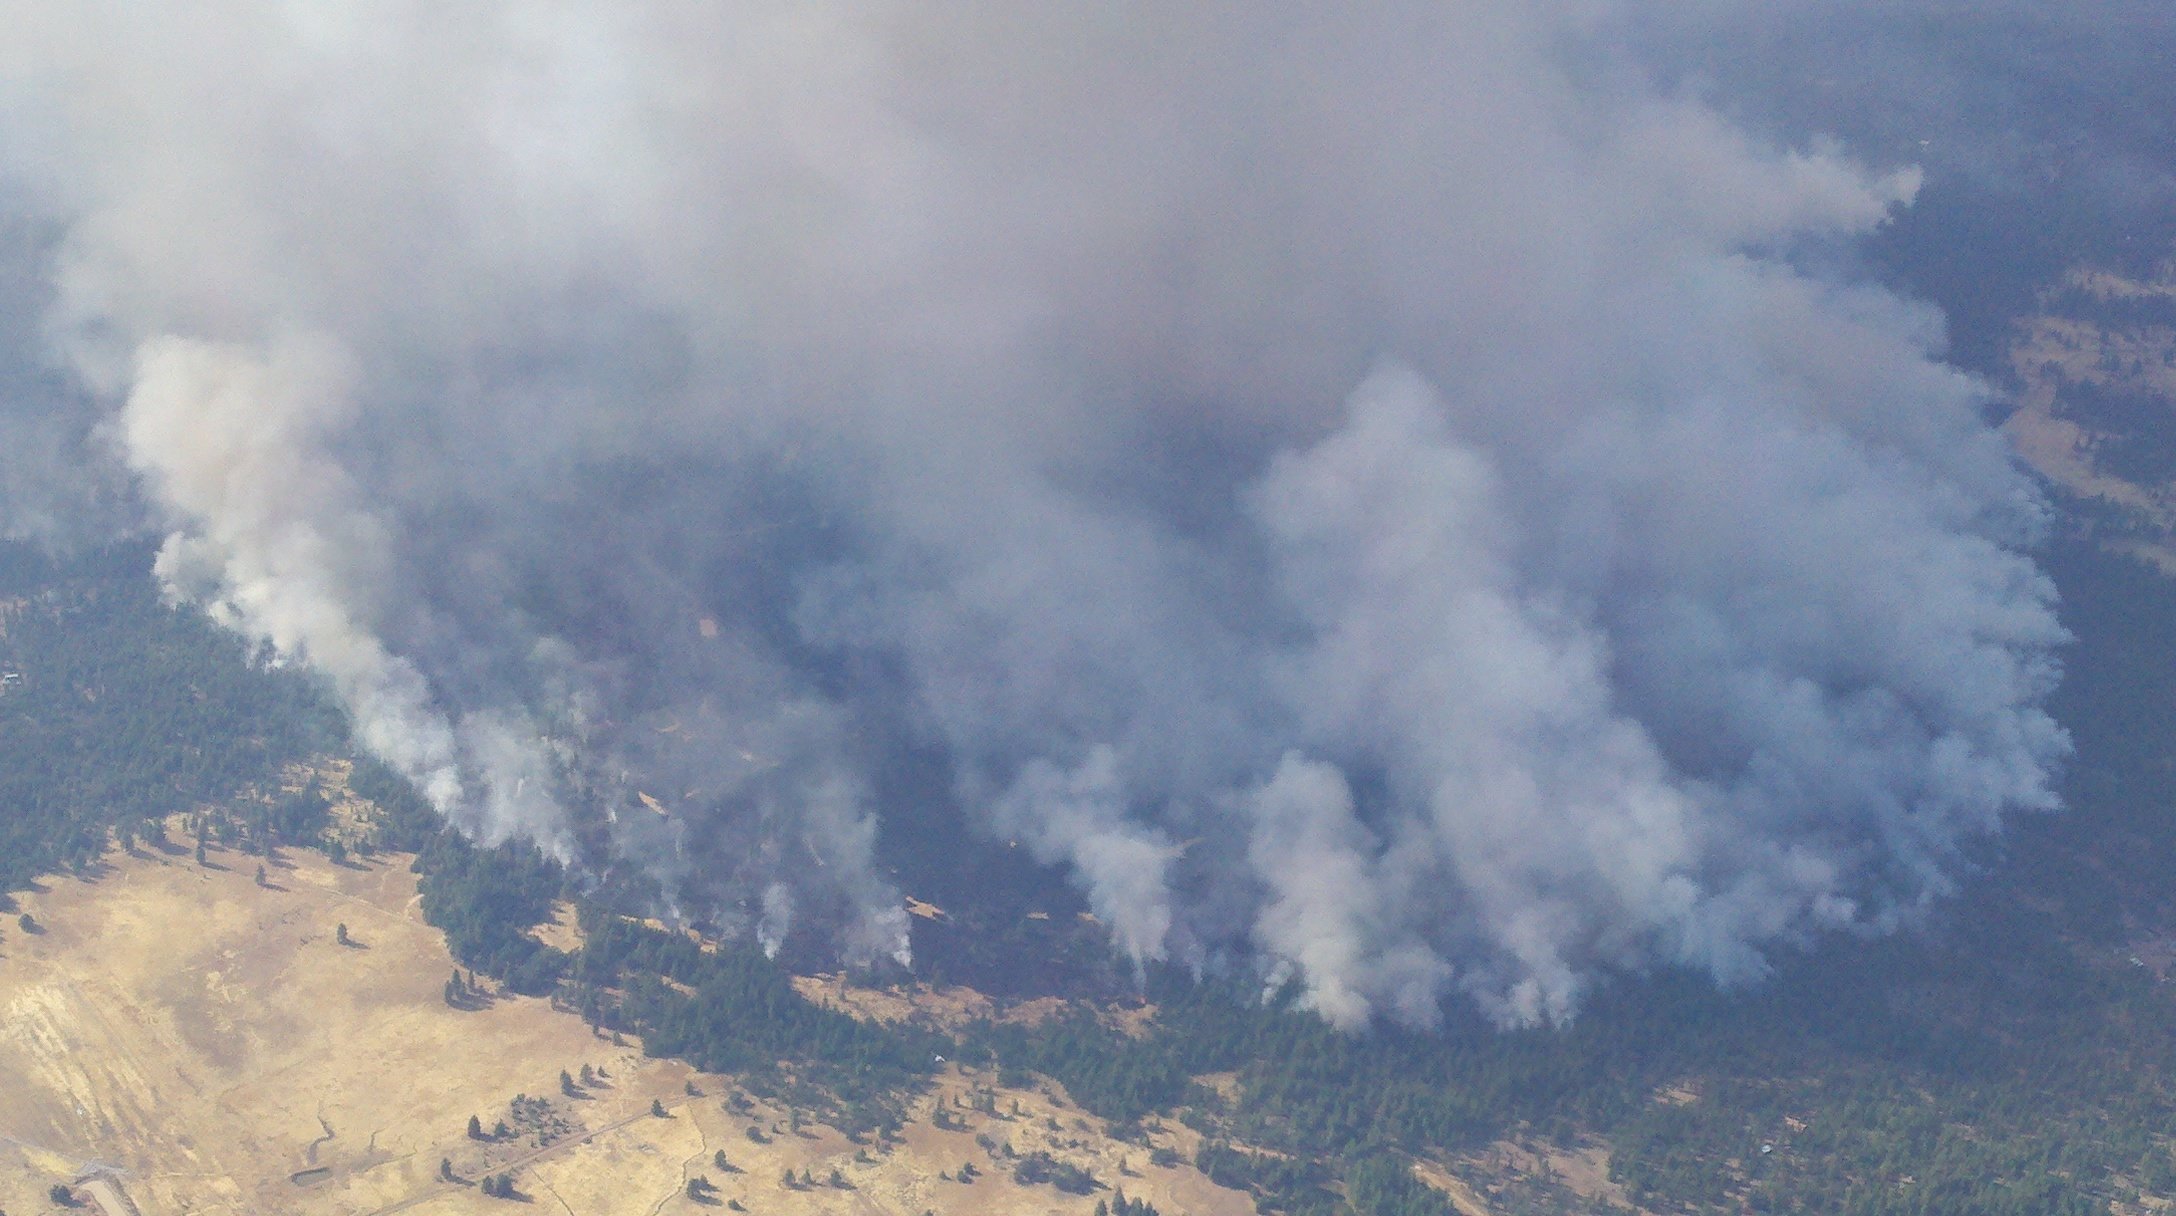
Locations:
(177, 1038)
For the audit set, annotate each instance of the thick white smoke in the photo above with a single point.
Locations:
(1376, 469)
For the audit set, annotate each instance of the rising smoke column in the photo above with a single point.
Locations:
(1373, 491)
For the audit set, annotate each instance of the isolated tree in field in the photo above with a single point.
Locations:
(60, 1194)
(27, 923)
(475, 1128)
(445, 1169)
(499, 1130)
(260, 876)
(657, 1108)
(589, 1075)
(340, 934)
(566, 1083)
(200, 851)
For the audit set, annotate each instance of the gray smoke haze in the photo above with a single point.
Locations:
(1370, 489)
(56, 488)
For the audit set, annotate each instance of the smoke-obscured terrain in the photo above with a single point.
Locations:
(1393, 496)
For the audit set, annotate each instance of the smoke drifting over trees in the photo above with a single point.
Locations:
(1370, 490)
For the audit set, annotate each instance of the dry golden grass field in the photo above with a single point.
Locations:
(178, 1039)
(2056, 352)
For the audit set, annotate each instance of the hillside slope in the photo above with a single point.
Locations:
(206, 1045)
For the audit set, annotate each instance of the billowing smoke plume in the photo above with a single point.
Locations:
(1368, 487)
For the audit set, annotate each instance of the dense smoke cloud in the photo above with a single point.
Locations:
(56, 490)
(1370, 488)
